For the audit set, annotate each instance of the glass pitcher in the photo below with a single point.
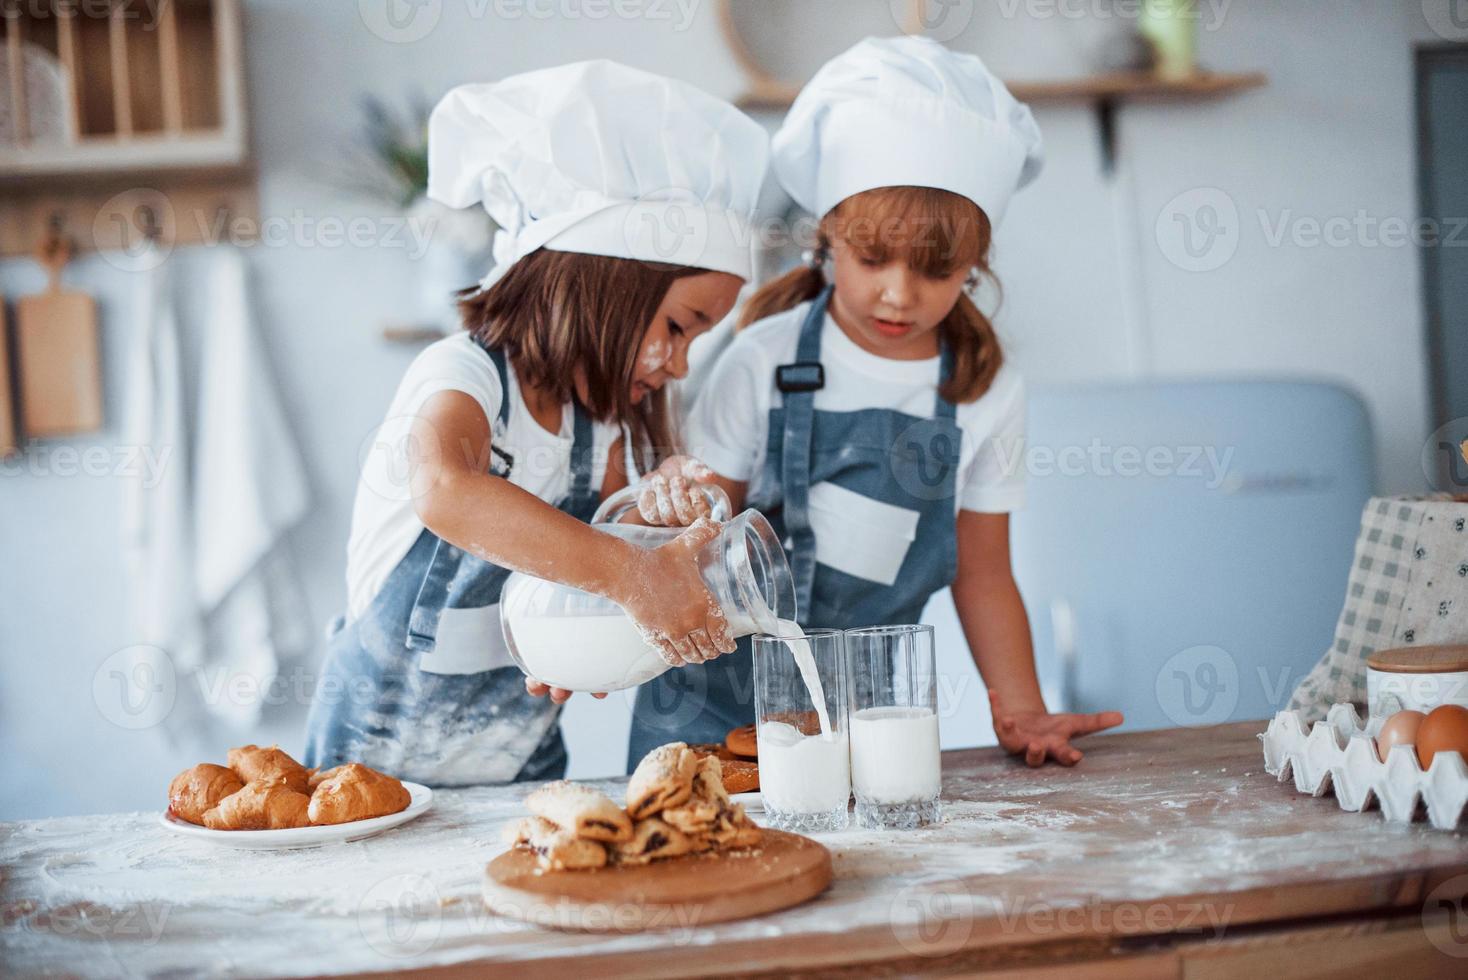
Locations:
(568, 638)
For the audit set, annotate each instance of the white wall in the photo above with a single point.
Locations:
(1332, 134)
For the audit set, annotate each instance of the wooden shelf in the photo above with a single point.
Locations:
(131, 91)
(1116, 86)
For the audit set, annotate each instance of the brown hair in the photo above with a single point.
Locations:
(560, 315)
(936, 232)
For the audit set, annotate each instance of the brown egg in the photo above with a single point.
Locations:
(1399, 729)
(1445, 729)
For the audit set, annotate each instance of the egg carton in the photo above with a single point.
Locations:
(1339, 754)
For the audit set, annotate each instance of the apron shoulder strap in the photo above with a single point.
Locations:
(799, 407)
(942, 407)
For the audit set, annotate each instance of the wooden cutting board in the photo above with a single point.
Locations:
(56, 344)
(785, 870)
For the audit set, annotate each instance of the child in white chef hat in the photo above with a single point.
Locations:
(623, 201)
(868, 409)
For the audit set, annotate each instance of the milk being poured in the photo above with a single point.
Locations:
(802, 773)
(799, 648)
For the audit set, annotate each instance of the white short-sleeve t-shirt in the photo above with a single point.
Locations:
(729, 425)
(384, 521)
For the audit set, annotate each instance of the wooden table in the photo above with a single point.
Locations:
(1164, 854)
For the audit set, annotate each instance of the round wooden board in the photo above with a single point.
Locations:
(785, 870)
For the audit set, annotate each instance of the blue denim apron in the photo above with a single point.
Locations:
(390, 698)
(885, 457)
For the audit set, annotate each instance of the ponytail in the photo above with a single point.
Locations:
(797, 286)
(977, 356)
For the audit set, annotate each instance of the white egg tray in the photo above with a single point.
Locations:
(1339, 754)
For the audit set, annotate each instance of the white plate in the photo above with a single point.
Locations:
(753, 802)
(276, 840)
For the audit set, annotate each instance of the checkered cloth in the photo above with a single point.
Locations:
(1408, 587)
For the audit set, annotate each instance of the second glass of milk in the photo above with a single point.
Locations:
(800, 725)
(896, 767)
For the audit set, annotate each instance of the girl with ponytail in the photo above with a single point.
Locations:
(866, 407)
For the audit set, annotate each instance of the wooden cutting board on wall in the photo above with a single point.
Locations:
(8, 441)
(60, 366)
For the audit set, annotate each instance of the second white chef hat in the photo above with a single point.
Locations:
(906, 111)
(599, 158)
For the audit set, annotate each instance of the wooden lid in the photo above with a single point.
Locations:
(1420, 660)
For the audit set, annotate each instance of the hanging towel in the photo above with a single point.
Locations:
(157, 523)
(249, 491)
(215, 586)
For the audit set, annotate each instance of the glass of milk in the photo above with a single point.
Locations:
(896, 769)
(800, 725)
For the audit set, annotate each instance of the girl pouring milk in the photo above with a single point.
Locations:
(868, 409)
(502, 440)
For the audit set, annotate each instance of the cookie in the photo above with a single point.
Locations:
(581, 810)
(741, 742)
(664, 778)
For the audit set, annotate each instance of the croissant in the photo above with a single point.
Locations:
(198, 790)
(254, 764)
(354, 792)
(260, 806)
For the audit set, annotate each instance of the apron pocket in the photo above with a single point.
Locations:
(860, 536)
(469, 641)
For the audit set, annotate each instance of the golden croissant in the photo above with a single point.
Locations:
(198, 790)
(354, 792)
(254, 764)
(260, 806)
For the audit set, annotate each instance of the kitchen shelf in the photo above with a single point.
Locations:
(1116, 86)
(110, 94)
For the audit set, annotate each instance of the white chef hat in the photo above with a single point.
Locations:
(599, 158)
(906, 111)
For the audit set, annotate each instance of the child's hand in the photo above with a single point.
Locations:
(670, 604)
(1038, 735)
(669, 497)
(557, 694)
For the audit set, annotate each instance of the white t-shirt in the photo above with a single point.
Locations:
(384, 522)
(729, 425)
